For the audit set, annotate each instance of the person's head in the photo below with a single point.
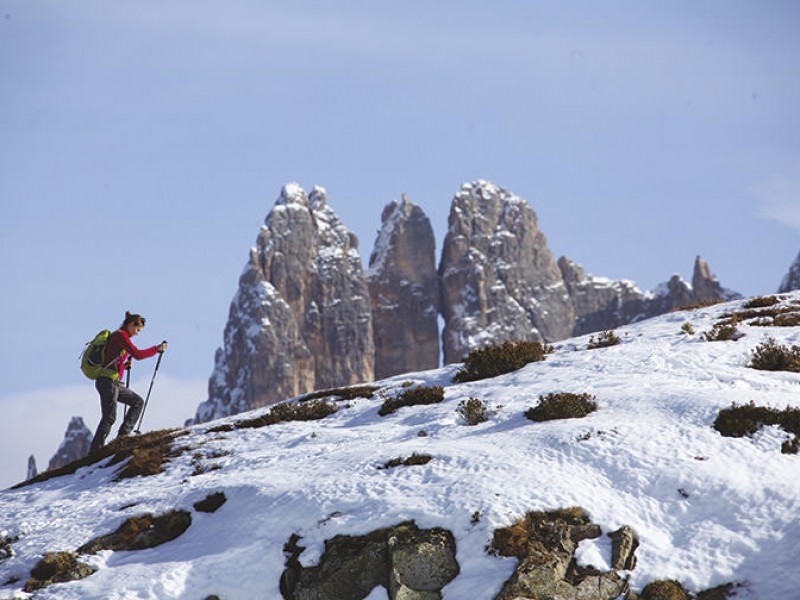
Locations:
(133, 323)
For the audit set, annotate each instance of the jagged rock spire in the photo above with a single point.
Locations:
(75, 445)
(300, 319)
(404, 292)
(499, 279)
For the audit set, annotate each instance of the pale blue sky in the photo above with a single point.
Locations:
(143, 143)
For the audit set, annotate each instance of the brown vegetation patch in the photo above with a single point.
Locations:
(698, 305)
(662, 589)
(562, 405)
(343, 393)
(149, 453)
(723, 331)
(57, 567)
(536, 527)
(138, 533)
(6, 551)
(740, 421)
(413, 460)
(282, 413)
(761, 302)
(766, 316)
(495, 360)
(417, 396)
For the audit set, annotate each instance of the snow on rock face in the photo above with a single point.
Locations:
(498, 275)
(75, 445)
(404, 292)
(300, 319)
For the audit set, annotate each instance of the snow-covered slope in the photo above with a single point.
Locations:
(708, 509)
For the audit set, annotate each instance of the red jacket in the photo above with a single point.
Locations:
(120, 346)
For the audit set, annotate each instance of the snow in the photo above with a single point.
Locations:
(708, 509)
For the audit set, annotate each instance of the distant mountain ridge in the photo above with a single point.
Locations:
(306, 316)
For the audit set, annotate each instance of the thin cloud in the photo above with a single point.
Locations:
(779, 200)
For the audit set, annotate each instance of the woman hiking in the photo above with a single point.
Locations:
(120, 347)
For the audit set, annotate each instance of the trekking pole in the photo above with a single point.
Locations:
(150, 389)
(128, 365)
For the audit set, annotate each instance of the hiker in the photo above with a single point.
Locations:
(120, 347)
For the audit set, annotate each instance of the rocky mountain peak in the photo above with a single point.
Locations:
(300, 319)
(404, 291)
(75, 445)
(499, 279)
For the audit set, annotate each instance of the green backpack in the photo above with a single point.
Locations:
(93, 359)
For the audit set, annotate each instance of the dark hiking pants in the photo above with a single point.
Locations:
(112, 392)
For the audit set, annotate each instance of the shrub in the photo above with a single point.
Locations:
(739, 421)
(761, 302)
(662, 589)
(473, 411)
(604, 340)
(563, 405)
(344, 393)
(697, 305)
(413, 460)
(771, 356)
(723, 331)
(413, 397)
(492, 361)
(687, 328)
(282, 413)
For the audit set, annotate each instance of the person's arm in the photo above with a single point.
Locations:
(135, 352)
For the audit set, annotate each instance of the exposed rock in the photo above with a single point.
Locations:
(138, 533)
(75, 445)
(412, 564)
(301, 317)
(624, 542)
(545, 543)
(499, 279)
(791, 280)
(57, 567)
(33, 470)
(602, 304)
(705, 285)
(404, 292)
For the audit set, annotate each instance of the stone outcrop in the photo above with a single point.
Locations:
(404, 292)
(791, 280)
(301, 318)
(601, 303)
(499, 279)
(33, 470)
(410, 563)
(545, 544)
(75, 445)
(306, 316)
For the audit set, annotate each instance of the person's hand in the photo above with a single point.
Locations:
(163, 346)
